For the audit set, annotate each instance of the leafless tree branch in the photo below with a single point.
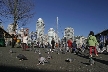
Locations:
(18, 10)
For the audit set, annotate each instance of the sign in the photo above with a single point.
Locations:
(34, 36)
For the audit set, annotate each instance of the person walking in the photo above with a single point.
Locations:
(25, 40)
(69, 42)
(13, 40)
(92, 42)
(74, 47)
(53, 43)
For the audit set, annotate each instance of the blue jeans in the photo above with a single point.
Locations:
(73, 49)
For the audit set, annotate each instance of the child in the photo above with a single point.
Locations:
(92, 42)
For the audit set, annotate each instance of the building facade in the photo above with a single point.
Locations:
(10, 29)
(80, 40)
(23, 31)
(102, 36)
(69, 33)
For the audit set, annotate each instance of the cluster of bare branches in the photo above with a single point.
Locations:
(18, 10)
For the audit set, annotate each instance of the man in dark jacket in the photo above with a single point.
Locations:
(74, 46)
(13, 40)
(53, 43)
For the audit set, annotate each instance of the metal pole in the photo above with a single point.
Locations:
(57, 29)
(57, 25)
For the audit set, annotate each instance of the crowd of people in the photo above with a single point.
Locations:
(70, 46)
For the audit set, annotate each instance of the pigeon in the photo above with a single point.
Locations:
(60, 49)
(49, 56)
(91, 61)
(50, 50)
(42, 60)
(37, 50)
(47, 50)
(40, 55)
(67, 49)
(63, 51)
(21, 57)
(58, 52)
(11, 51)
(68, 60)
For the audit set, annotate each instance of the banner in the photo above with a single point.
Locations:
(106, 37)
(102, 38)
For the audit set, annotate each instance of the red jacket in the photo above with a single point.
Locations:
(69, 43)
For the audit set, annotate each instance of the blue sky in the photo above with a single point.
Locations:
(82, 15)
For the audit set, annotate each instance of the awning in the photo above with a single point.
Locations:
(7, 35)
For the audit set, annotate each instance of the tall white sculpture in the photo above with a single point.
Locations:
(69, 33)
(52, 34)
(40, 29)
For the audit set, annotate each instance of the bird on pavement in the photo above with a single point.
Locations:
(91, 61)
(10, 51)
(21, 57)
(49, 56)
(68, 60)
(42, 60)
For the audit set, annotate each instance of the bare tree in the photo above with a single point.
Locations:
(18, 10)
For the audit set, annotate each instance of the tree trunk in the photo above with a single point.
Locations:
(15, 16)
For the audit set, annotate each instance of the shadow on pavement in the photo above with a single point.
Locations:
(84, 56)
(98, 60)
(19, 69)
(85, 63)
(101, 61)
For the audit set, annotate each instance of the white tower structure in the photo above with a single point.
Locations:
(52, 34)
(40, 26)
(69, 33)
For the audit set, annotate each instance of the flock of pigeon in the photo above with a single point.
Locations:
(42, 60)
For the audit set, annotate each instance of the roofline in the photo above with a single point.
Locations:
(106, 30)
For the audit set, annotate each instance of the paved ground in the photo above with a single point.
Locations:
(9, 62)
